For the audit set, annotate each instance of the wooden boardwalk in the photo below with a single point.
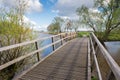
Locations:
(67, 63)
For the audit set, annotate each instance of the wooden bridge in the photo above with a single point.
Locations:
(73, 60)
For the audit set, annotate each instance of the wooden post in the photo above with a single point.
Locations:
(70, 36)
(97, 50)
(61, 39)
(66, 36)
(38, 56)
(76, 34)
(53, 44)
(110, 76)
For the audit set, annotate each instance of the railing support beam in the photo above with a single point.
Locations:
(37, 47)
(53, 44)
(61, 39)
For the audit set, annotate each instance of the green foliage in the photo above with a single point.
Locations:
(13, 31)
(113, 36)
(56, 26)
(59, 25)
(93, 78)
(83, 33)
(89, 18)
(104, 21)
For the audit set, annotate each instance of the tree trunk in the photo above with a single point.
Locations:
(106, 34)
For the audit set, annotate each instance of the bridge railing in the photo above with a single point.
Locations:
(101, 61)
(63, 38)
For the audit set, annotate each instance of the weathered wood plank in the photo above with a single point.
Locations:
(68, 63)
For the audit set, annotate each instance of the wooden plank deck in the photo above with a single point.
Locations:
(67, 63)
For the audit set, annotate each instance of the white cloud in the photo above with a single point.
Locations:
(55, 11)
(34, 25)
(26, 20)
(94, 10)
(68, 7)
(33, 5)
(42, 27)
(65, 17)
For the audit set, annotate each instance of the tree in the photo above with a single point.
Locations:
(60, 21)
(110, 13)
(54, 28)
(76, 25)
(90, 18)
(105, 19)
(13, 31)
(56, 25)
(68, 25)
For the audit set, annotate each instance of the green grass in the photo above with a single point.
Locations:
(93, 78)
(83, 33)
(114, 36)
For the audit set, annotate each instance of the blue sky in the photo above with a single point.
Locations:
(44, 17)
(42, 12)
(53, 8)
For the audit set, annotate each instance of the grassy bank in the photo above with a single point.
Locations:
(83, 33)
(114, 36)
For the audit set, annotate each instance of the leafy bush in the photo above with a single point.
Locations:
(13, 31)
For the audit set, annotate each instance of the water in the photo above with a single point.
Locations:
(44, 43)
(114, 50)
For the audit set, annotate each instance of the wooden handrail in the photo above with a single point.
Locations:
(111, 62)
(95, 59)
(89, 63)
(29, 54)
(26, 43)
